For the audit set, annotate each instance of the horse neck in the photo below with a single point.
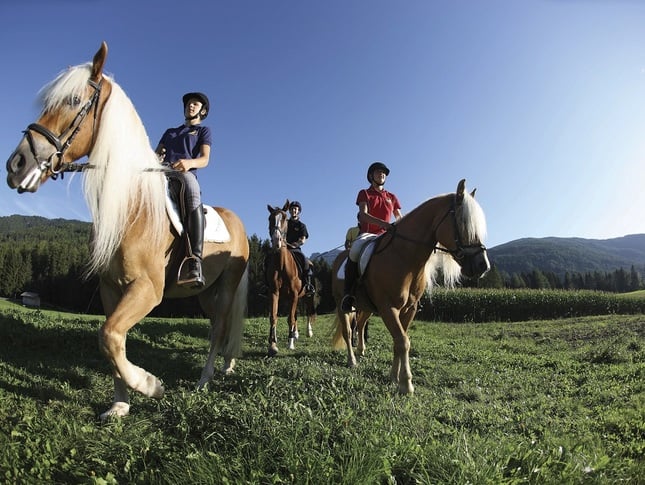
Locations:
(418, 227)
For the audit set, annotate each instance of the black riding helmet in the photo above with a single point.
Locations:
(295, 203)
(376, 166)
(201, 97)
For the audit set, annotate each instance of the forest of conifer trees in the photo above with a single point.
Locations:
(48, 257)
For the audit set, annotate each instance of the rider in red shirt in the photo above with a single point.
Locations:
(376, 206)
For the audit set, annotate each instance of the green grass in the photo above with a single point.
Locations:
(558, 401)
(639, 295)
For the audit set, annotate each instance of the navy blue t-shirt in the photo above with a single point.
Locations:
(184, 142)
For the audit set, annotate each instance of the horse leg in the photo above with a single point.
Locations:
(361, 318)
(293, 323)
(345, 323)
(400, 371)
(311, 319)
(273, 322)
(224, 305)
(137, 301)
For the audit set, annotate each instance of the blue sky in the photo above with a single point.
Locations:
(540, 105)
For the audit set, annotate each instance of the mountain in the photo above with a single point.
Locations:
(559, 255)
(328, 256)
(19, 228)
(573, 255)
(550, 254)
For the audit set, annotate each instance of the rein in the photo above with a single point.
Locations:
(71, 132)
(459, 253)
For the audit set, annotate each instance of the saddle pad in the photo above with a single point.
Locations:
(366, 254)
(214, 228)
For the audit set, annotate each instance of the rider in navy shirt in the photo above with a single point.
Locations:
(185, 149)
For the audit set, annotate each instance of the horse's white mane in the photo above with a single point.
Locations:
(124, 183)
(471, 224)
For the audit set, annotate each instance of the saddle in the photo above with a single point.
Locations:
(366, 252)
(215, 229)
(300, 260)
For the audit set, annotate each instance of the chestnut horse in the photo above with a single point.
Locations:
(444, 232)
(282, 277)
(134, 248)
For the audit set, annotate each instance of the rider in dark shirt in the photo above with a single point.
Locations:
(296, 236)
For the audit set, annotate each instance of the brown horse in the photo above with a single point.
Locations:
(134, 248)
(444, 232)
(282, 277)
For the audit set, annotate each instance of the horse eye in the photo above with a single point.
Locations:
(75, 100)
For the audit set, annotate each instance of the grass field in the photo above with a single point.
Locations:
(559, 401)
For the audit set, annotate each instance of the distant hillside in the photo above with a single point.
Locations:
(18, 228)
(560, 255)
(549, 254)
(573, 255)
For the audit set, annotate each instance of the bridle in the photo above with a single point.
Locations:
(461, 251)
(276, 229)
(68, 135)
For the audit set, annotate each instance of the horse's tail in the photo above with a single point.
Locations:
(337, 340)
(232, 346)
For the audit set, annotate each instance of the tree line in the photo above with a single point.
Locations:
(50, 260)
(617, 281)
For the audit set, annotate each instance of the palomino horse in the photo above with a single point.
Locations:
(282, 277)
(445, 231)
(133, 248)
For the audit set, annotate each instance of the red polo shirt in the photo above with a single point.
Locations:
(379, 204)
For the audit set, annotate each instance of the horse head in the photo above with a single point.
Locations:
(461, 231)
(278, 225)
(65, 130)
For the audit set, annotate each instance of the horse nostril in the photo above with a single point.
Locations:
(16, 163)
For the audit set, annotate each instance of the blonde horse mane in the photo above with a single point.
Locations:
(125, 182)
(471, 224)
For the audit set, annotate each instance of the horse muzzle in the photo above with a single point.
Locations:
(474, 263)
(24, 172)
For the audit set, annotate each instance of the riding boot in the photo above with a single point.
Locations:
(351, 275)
(195, 228)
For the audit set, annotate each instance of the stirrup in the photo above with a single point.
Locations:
(347, 304)
(195, 281)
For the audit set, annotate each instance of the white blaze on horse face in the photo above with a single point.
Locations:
(277, 237)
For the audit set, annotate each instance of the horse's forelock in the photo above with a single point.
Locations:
(471, 221)
(69, 83)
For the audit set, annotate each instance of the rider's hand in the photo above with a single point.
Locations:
(181, 165)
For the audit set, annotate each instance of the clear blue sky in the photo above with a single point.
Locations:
(538, 104)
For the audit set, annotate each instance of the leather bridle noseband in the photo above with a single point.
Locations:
(71, 132)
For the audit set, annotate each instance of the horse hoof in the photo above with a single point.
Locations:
(292, 345)
(272, 352)
(118, 410)
(406, 389)
(202, 384)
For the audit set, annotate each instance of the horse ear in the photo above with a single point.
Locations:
(461, 188)
(99, 61)
(286, 205)
(472, 194)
